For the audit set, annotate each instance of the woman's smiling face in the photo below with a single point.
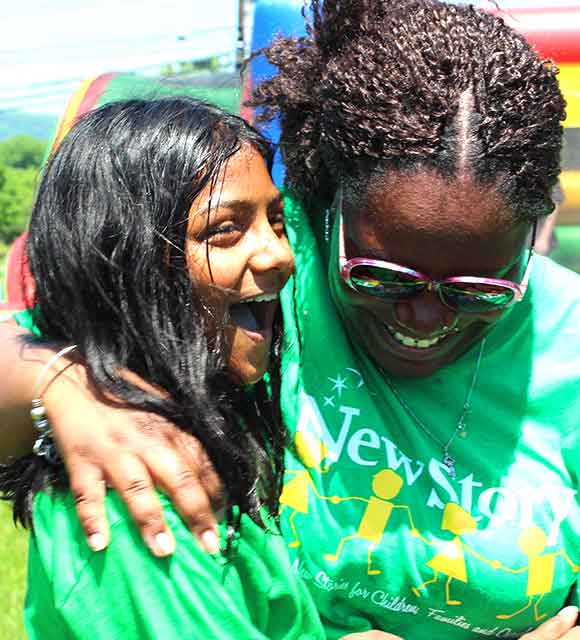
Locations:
(239, 257)
(442, 228)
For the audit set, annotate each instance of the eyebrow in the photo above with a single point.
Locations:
(374, 254)
(245, 206)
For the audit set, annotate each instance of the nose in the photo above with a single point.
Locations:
(424, 315)
(273, 254)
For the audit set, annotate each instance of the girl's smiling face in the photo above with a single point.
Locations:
(442, 228)
(239, 257)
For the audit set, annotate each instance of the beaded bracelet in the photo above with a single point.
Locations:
(44, 445)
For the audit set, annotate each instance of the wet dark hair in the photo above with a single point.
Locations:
(107, 251)
(381, 85)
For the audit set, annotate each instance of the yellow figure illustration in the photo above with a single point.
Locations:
(540, 568)
(311, 452)
(386, 485)
(450, 561)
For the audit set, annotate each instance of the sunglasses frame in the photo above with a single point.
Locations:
(346, 266)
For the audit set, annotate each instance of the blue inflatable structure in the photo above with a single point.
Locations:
(271, 18)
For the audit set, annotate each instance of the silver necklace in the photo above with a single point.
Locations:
(448, 460)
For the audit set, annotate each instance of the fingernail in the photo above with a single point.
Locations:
(210, 541)
(164, 544)
(96, 541)
(568, 614)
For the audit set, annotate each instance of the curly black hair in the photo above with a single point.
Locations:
(397, 84)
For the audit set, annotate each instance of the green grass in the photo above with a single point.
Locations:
(13, 545)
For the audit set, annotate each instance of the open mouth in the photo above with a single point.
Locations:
(256, 314)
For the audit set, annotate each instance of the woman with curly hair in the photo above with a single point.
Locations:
(431, 363)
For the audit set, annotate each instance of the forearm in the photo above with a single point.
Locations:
(20, 363)
(102, 442)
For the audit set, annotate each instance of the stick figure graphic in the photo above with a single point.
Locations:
(386, 484)
(311, 452)
(450, 561)
(541, 568)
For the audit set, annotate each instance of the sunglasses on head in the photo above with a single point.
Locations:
(391, 282)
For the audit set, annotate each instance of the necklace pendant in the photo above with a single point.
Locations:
(449, 462)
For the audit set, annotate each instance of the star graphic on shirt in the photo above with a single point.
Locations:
(339, 384)
(329, 401)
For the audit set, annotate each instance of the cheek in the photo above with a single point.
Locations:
(218, 269)
(466, 320)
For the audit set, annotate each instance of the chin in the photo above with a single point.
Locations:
(248, 374)
(250, 368)
(406, 369)
(249, 355)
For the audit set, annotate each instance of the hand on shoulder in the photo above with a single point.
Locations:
(132, 451)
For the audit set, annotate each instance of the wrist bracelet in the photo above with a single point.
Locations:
(44, 445)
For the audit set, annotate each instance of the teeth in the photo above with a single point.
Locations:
(263, 297)
(408, 341)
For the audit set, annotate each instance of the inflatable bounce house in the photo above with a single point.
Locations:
(553, 31)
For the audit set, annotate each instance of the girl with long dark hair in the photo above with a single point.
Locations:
(158, 249)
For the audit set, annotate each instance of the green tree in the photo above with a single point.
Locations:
(17, 188)
(20, 161)
(22, 152)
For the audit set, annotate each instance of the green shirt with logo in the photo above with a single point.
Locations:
(375, 523)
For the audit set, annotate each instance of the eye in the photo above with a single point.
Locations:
(222, 234)
(277, 221)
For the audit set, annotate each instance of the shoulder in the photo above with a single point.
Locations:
(554, 339)
(555, 294)
(547, 268)
(190, 594)
(58, 543)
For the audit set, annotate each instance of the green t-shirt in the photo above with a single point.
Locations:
(124, 593)
(383, 535)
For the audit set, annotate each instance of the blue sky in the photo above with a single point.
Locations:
(45, 42)
(48, 46)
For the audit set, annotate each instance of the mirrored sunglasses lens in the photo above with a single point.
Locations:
(384, 283)
(477, 298)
